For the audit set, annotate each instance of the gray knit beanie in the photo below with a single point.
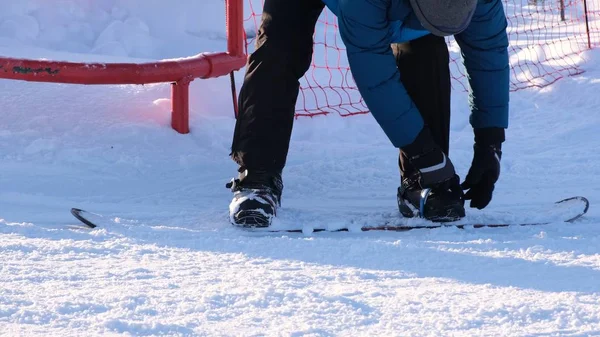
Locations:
(444, 17)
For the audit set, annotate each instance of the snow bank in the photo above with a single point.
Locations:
(151, 29)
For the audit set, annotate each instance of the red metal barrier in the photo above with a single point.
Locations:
(178, 71)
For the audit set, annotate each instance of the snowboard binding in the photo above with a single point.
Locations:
(439, 204)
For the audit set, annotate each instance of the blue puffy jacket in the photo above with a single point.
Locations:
(368, 27)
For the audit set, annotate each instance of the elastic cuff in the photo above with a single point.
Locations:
(422, 144)
(489, 136)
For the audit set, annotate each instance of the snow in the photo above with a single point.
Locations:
(170, 263)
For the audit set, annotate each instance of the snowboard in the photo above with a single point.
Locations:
(563, 211)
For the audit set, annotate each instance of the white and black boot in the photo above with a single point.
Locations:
(256, 198)
(441, 203)
(430, 189)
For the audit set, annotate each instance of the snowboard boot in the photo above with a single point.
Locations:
(441, 203)
(256, 197)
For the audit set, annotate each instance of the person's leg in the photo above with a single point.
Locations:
(266, 108)
(268, 96)
(425, 73)
(424, 70)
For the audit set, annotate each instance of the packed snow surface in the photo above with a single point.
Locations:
(169, 263)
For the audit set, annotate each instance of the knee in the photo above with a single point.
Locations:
(290, 42)
(290, 54)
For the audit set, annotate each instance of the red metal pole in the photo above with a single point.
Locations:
(199, 66)
(235, 27)
(235, 39)
(180, 100)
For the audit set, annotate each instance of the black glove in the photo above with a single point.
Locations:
(485, 167)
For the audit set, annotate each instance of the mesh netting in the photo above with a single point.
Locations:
(546, 41)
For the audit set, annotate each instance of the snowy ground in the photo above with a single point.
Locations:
(174, 266)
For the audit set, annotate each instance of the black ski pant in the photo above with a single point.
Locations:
(425, 73)
(284, 51)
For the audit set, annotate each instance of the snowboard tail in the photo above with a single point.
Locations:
(80, 215)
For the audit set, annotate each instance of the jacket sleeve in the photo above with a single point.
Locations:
(484, 47)
(365, 30)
